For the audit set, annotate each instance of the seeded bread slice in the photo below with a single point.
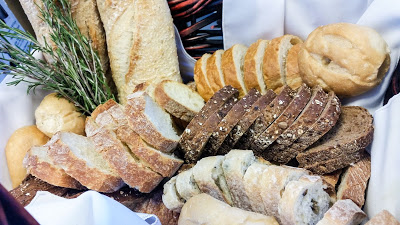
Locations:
(308, 116)
(353, 132)
(246, 121)
(286, 119)
(269, 115)
(216, 102)
(229, 121)
(200, 77)
(214, 71)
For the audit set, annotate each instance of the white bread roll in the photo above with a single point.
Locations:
(345, 58)
(203, 209)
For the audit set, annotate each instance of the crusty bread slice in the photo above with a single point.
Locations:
(209, 176)
(178, 99)
(275, 61)
(343, 212)
(201, 79)
(171, 198)
(383, 218)
(151, 122)
(253, 64)
(78, 157)
(331, 180)
(288, 116)
(39, 164)
(214, 71)
(186, 186)
(303, 201)
(232, 67)
(235, 165)
(293, 78)
(251, 180)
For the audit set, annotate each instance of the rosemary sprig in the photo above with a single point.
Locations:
(76, 73)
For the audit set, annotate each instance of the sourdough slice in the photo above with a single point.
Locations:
(214, 71)
(251, 180)
(78, 157)
(353, 132)
(209, 176)
(229, 121)
(284, 121)
(186, 186)
(178, 99)
(383, 218)
(343, 212)
(246, 121)
(201, 79)
(232, 67)
(152, 123)
(303, 201)
(197, 144)
(216, 102)
(293, 78)
(275, 61)
(170, 197)
(235, 165)
(325, 122)
(39, 164)
(303, 122)
(270, 113)
(252, 68)
(354, 181)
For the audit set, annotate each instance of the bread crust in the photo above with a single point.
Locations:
(293, 78)
(383, 218)
(201, 79)
(232, 76)
(215, 75)
(253, 65)
(343, 212)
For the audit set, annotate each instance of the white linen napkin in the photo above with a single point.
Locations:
(90, 208)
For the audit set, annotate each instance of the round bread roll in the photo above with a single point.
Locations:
(345, 58)
(58, 114)
(17, 146)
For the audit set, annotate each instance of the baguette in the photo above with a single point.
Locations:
(214, 71)
(170, 197)
(343, 212)
(186, 186)
(232, 67)
(383, 218)
(252, 187)
(201, 79)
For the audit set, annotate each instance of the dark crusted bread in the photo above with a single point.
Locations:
(286, 119)
(197, 144)
(269, 115)
(353, 132)
(229, 121)
(310, 114)
(246, 121)
(215, 102)
(325, 122)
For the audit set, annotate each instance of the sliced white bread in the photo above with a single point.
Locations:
(39, 164)
(200, 77)
(170, 197)
(253, 64)
(251, 180)
(209, 176)
(232, 67)
(151, 122)
(178, 99)
(235, 165)
(214, 71)
(293, 78)
(343, 212)
(275, 61)
(78, 157)
(304, 201)
(186, 186)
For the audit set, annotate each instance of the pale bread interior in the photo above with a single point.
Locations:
(288, 42)
(259, 57)
(219, 178)
(204, 60)
(218, 62)
(184, 95)
(41, 153)
(239, 51)
(170, 197)
(186, 185)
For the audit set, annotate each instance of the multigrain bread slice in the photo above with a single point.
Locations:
(151, 122)
(171, 198)
(343, 212)
(229, 121)
(288, 116)
(354, 181)
(303, 122)
(232, 67)
(214, 71)
(293, 78)
(78, 157)
(203, 85)
(383, 218)
(253, 64)
(186, 186)
(235, 165)
(209, 176)
(275, 61)
(252, 187)
(178, 99)
(39, 164)
(216, 102)
(246, 121)
(353, 132)
(269, 114)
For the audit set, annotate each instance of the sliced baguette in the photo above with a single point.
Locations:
(383, 218)
(186, 186)
(253, 64)
(201, 79)
(171, 199)
(39, 164)
(343, 212)
(78, 157)
(251, 181)
(275, 61)
(293, 78)
(152, 123)
(214, 71)
(232, 67)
